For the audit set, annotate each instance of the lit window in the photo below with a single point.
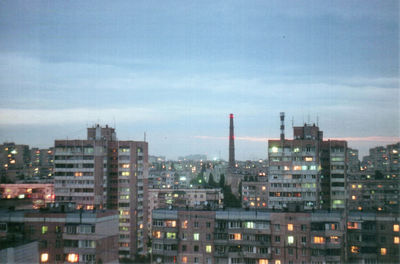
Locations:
(235, 236)
(353, 197)
(319, 240)
(290, 239)
(263, 261)
(359, 186)
(208, 249)
(184, 259)
(73, 258)
(308, 159)
(263, 188)
(45, 229)
(78, 174)
(383, 251)
(277, 261)
(125, 166)
(196, 236)
(44, 257)
(171, 235)
(170, 223)
(354, 249)
(125, 173)
(296, 167)
(274, 149)
(353, 225)
(334, 239)
(157, 234)
(185, 224)
(290, 227)
(396, 228)
(396, 240)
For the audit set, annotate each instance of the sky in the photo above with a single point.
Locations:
(175, 70)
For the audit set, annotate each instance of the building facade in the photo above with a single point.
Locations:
(277, 237)
(103, 172)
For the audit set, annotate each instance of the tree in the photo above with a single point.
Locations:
(211, 182)
(222, 181)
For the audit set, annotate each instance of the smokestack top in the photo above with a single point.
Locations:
(230, 115)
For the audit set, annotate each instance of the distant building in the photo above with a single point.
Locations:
(103, 172)
(19, 252)
(14, 162)
(373, 191)
(383, 159)
(65, 237)
(353, 161)
(39, 194)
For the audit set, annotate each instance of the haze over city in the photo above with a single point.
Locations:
(176, 70)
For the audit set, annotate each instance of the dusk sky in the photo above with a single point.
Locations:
(176, 69)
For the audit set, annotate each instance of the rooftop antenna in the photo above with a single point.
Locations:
(144, 136)
(317, 121)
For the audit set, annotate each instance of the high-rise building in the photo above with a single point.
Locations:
(306, 170)
(103, 172)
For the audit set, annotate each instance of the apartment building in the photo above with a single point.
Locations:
(262, 237)
(307, 170)
(65, 235)
(103, 172)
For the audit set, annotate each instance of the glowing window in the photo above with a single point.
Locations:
(157, 234)
(354, 249)
(290, 239)
(263, 188)
(263, 261)
(319, 240)
(125, 165)
(353, 197)
(44, 257)
(125, 173)
(185, 224)
(73, 258)
(296, 167)
(196, 236)
(295, 150)
(249, 225)
(353, 186)
(45, 229)
(171, 235)
(235, 236)
(334, 239)
(308, 158)
(208, 249)
(170, 223)
(274, 149)
(78, 174)
(396, 240)
(184, 259)
(396, 228)
(383, 251)
(290, 227)
(353, 225)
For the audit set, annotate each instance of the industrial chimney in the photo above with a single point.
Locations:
(282, 126)
(231, 143)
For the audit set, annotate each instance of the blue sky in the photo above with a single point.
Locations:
(176, 69)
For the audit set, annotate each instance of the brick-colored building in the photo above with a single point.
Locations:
(65, 237)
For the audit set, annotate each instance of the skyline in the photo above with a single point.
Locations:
(176, 70)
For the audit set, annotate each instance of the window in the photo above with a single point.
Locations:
(290, 251)
(196, 248)
(171, 235)
(196, 236)
(196, 224)
(319, 240)
(208, 236)
(354, 249)
(396, 240)
(263, 261)
(184, 259)
(303, 227)
(73, 258)
(185, 224)
(208, 249)
(290, 240)
(277, 261)
(277, 239)
(183, 248)
(353, 225)
(303, 239)
(208, 224)
(170, 223)
(290, 227)
(396, 228)
(235, 236)
(383, 251)
(277, 227)
(157, 234)
(249, 225)
(44, 257)
(45, 229)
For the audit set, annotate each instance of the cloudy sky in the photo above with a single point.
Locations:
(176, 69)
